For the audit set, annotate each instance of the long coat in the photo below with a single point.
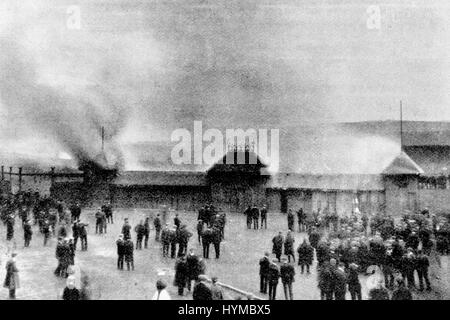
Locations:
(277, 245)
(12, 276)
(305, 254)
(289, 245)
(181, 273)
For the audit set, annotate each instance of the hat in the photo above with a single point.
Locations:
(160, 284)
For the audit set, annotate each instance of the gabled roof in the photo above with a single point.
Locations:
(402, 164)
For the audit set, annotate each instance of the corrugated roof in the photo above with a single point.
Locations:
(403, 164)
(161, 178)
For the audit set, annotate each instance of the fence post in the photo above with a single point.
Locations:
(3, 172)
(10, 175)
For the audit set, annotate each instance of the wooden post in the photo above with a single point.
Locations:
(10, 174)
(3, 172)
(20, 179)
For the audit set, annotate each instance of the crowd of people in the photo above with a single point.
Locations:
(345, 247)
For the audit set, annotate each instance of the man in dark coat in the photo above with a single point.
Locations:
(264, 264)
(82, 232)
(248, 214)
(255, 217)
(305, 256)
(207, 236)
(201, 290)
(199, 230)
(314, 238)
(301, 219)
(146, 231)
(157, 225)
(325, 281)
(408, 266)
(75, 212)
(107, 209)
(181, 274)
(201, 215)
(126, 229)
(354, 286)
(173, 239)
(27, 233)
(12, 279)
(75, 233)
(339, 282)
(129, 254)
(46, 230)
(287, 273)
(183, 239)
(289, 246)
(140, 232)
(413, 241)
(10, 227)
(165, 239)
(263, 213)
(216, 240)
(422, 264)
(193, 267)
(99, 219)
(177, 221)
(272, 279)
(402, 292)
(277, 245)
(120, 252)
(290, 219)
(322, 252)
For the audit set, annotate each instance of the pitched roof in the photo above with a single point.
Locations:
(238, 161)
(402, 164)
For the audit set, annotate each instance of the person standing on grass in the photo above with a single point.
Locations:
(287, 274)
(165, 239)
(140, 231)
(264, 264)
(12, 277)
(289, 246)
(27, 233)
(255, 217)
(46, 230)
(305, 256)
(181, 274)
(129, 254)
(248, 214)
(157, 225)
(290, 220)
(146, 231)
(263, 213)
(272, 279)
(10, 227)
(126, 229)
(354, 286)
(199, 230)
(277, 247)
(120, 251)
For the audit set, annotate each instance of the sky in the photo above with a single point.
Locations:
(144, 68)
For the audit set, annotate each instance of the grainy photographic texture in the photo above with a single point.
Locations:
(214, 150)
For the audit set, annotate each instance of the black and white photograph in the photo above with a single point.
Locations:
(225, 150)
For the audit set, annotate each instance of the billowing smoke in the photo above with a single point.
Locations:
(73, 119)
